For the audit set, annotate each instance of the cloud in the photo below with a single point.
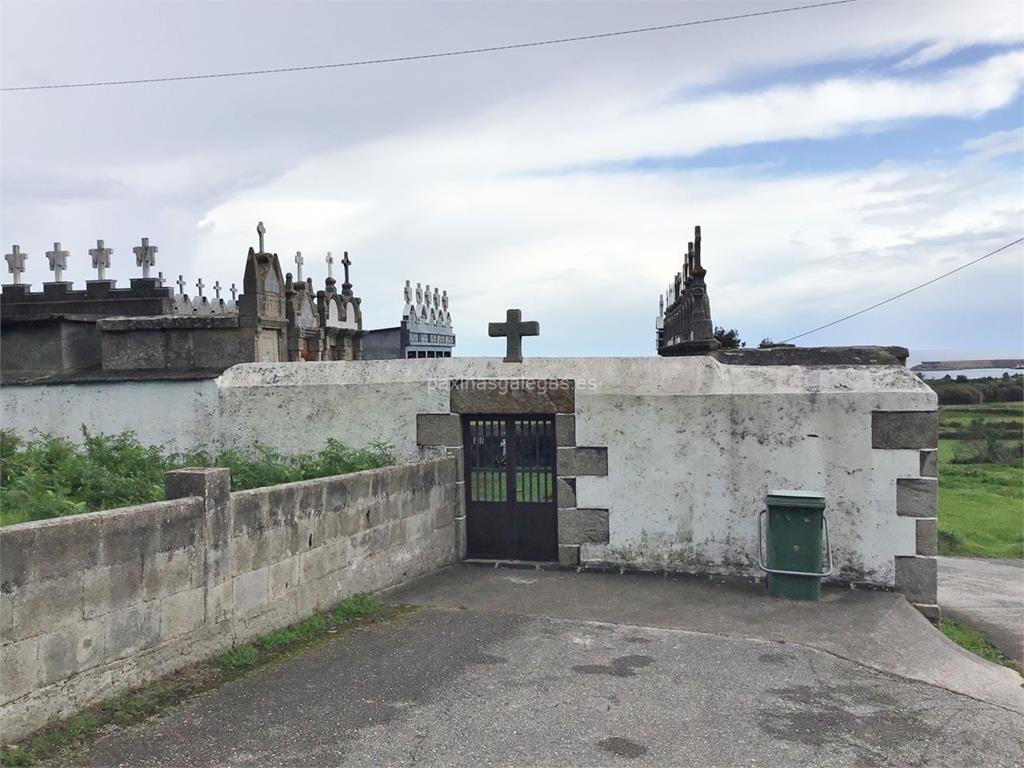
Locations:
(489, 176)
(996, 144)
(929, 54)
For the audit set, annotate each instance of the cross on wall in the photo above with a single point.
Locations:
(200, 286)
(100, 259)
(16, 263)
(145, 256)
(514, 329)
(346, 264)
(58, 262)
(181, 285)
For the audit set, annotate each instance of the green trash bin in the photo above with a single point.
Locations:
(796, 526)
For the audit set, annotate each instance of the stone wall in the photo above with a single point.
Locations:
(93, 604)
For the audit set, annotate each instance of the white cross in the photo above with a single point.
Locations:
(216, 290)
(261, 230)
(181, 285)
(234, 292)
(200, 286)
(100, 259)
(298, 266)
(58, 262)
(330, 265)
(145, 256)
(16, 263)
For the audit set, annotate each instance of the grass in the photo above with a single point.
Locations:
(976, 642)
(981, 502)
(51, 476)
(491, 485)
(141, 703)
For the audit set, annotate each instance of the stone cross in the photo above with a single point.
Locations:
(330, 265)
(200, 286)
(160, 279)
(298, 266)
(58, 261)
(260, 232)
(145, 256)
(346, 264)
(216, 289)
(16, 263)
(513, 329)
(234, 292)
(100, 259)
(181, 285)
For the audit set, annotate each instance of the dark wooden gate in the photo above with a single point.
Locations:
(511, 510)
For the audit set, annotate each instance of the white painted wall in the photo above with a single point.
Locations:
(178, 414)
(693, 445)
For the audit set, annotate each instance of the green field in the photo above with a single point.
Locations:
(981, 480)
(491, 485)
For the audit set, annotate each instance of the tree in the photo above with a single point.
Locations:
(729, 339)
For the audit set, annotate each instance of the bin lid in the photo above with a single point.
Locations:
(812, 499)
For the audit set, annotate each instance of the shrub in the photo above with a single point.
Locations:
(52, 476)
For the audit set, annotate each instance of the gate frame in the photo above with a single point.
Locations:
(441, 433)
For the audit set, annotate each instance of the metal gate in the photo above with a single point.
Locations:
(511, 510)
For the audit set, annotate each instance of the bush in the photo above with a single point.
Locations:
(52, 476)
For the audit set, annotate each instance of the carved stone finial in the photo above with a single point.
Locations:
(181, 285)
(260, 232)
(145, 256)
(346, 264)
(330, 265)
(58, 262)
(16, 263)
(298, 266)
(100, 259)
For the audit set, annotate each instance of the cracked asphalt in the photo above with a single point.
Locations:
(483, 674)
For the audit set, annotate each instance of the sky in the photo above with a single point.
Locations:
(832, 157)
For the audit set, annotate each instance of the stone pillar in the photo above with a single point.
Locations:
(916, 497)
(213, 486)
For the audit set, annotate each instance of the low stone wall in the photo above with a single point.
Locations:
(94, 604)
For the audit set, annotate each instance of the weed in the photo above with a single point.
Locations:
(976, 642)
(52, 477)
(144, 702)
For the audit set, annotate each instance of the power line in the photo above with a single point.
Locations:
(901, 295)
(439, 55)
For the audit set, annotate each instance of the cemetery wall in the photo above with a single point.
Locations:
(94, 604)
(669, 459)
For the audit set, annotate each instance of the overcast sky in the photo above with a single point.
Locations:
(833, 157)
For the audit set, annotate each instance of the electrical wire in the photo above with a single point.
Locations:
(423, 56)
(904, 293)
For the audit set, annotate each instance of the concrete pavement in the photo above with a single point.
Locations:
(522, 668)
(988, 595)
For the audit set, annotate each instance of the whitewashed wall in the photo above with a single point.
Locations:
(693, 445)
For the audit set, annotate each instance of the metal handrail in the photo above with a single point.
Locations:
(779, 572)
